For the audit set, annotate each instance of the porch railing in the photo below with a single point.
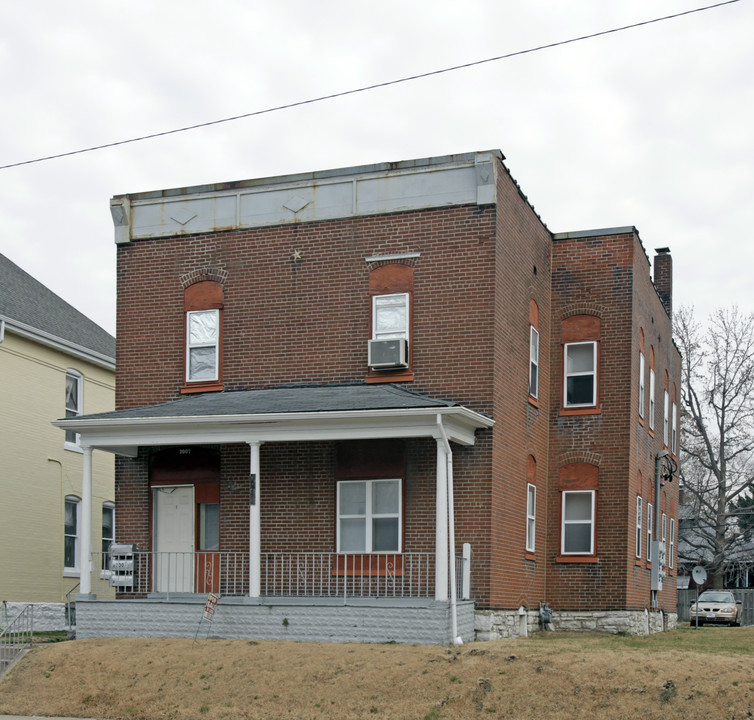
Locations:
(304, 574)
(15, 636)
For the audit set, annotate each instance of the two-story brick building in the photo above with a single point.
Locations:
(384, 403)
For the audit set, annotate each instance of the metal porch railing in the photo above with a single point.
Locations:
(295, 575)
(16, 636)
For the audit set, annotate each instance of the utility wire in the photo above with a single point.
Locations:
(366, 88)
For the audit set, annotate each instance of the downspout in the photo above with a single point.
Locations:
(457, 640)
(654, 602)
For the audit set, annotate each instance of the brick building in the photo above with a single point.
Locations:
(385, 402)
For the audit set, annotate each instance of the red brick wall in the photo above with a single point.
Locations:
(306, 319)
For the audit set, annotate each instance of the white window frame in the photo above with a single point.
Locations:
(75, 501)
(563, 523)
(195, 346)
(73, 439)
(666, 419)
(592, 373)
(650, 522)
(639, 534)
(369, 516)
(651, 399)
(642, 389)
(671, 549)
(664, 528)
(674, 436)
(533, 361)
(390, 334)
(531, 517)
(107, 507)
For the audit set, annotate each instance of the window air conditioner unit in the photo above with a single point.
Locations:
(387, 354)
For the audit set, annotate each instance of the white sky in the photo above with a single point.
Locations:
(651, 127)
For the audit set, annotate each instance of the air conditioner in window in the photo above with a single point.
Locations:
(388, 354)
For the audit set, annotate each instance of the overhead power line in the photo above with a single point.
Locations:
(366, 88)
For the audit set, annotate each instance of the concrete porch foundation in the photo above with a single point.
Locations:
(317, 620)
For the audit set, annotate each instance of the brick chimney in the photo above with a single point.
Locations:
(663, 278)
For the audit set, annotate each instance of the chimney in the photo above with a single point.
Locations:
(663, 278)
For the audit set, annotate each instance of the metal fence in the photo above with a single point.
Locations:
(304, 574)
(16, 636)
(745, 595)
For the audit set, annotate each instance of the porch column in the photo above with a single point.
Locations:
(255, 534)
(441, 524)
(85, 535)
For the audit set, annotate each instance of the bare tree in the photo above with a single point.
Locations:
(717, 443)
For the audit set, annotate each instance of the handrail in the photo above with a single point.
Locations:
(16, 637)
(68, 614)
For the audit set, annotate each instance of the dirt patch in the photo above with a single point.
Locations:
(559, 678)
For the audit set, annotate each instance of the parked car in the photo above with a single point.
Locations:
(716, 606)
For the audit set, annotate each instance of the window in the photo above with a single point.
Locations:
(71, 534)
(580, 374)
(369, 516)
(651, 388)
(674, 436)
(202, 345)
(108, 533)
(638, 526)
(642, 398)
(577, 537)
(209, 526)
(391, 286)
(649, 531)
(666, 419)
(533, 349)
(531, 516)
(533, 362)
(203, 303)
(73, 392)
(671, 549)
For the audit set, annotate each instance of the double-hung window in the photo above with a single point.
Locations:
(649, 531)
(533, 361)
(531, 517)
(642, 398)
(666, 419)
(108, 533)
(674, 436)
(638, 526)
(671, 549)
(390, 316)
(651, 391)
(73, 402)
(577, 532)
(580, 382)
(71, 534)
(369, 516)
(202, 345)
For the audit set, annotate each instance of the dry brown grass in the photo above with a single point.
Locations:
(686, 673)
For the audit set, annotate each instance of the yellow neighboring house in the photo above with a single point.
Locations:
(54, 363)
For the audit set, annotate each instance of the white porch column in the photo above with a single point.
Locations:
(441, 524)
(255, 532)
(85, 535)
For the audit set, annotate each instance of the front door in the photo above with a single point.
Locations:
(174, 538)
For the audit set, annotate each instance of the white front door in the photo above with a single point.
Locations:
(174, 538)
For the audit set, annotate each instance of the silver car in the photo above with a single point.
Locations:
(716, 606)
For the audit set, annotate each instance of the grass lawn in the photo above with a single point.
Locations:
(686, 673)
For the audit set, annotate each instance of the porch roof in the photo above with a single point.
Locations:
(327, 412)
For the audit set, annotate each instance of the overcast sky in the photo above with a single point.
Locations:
(651, 127)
